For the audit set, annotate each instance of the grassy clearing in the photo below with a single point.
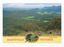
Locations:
(46, 21)
(43, 13)
(29, 18)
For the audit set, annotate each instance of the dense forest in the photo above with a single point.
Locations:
(45, 21)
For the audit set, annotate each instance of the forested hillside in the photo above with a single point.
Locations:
(42, 21)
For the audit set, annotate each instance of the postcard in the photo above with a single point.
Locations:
(32, 23)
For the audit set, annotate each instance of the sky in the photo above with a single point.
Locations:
(31, 5)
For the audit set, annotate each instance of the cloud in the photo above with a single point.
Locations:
(32, 5)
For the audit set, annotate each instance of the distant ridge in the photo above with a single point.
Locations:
(44, 9)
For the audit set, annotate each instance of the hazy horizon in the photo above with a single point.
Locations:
(28, 6)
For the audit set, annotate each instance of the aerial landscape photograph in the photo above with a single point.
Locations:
(20, 19)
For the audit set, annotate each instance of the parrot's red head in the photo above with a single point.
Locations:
(36, 33)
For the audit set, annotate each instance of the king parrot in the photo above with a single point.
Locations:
(33, 35)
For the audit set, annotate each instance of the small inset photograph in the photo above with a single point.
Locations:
(32, 37)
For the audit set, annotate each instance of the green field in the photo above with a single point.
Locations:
(29, 18)
(44, 13)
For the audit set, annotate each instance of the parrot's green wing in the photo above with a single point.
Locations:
(32, 36)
